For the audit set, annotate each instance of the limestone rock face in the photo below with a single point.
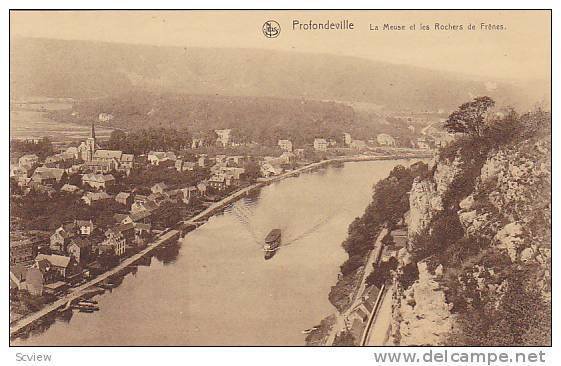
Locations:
(510, 238)
(445, 173)
(425, 198)
(425, 316)
(424, 203)
(467, 203)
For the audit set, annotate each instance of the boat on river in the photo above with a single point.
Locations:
(272, 243)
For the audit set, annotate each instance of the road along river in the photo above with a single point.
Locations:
(215, 288)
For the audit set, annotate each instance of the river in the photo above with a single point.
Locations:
(215, 288)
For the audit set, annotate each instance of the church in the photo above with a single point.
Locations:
(99, 160)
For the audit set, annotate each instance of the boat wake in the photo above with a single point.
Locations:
(245, 216)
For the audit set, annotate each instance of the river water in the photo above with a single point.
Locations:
(215, 288)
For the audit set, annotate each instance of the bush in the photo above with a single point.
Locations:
(408, 275)
(352, 264)
(345, 339)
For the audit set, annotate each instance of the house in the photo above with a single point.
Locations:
(384, 139)
(358, 316)
(203, 161)
(126, 163)
(21, 251)
(399, 237)
(105, 117)
(69, 188)
(158, 198)
(147, 205)
(92, 197)
(27, 279)
(159, 187)
(347, 139)
(358, 144)
(113, 158)
(197, 143)
(285, 145)
(157, 157)
(72, 151)
(61, 266)
(188, 193)
(60, 239)
(320, 145)
(235, 172)
(17, 171)
(47, 176)
(267, 169)
(143, 216)
(124, 198)
(23, 182)
(201, 187)
(99, 167)
(220, 159)
(80, 249)
(126, 230)
(85, 227)
(223, 136)
(105, 161)
(287, 158)
(182, 166)
(424, 143)
(174, 195)
(141, 232)
(108, 155)
(28, 161)
(58, 160)
(98, 181)
(235, 160)
(115, 242)
(17, 277)
(219, 181)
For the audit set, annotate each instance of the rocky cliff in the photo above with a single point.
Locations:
(502, 214)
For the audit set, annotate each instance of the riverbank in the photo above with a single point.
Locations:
(216, 207)
(367, 237)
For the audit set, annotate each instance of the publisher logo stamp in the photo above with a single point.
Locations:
(271, 29)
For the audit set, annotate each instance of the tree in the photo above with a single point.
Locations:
(470, 117)
(118, 140)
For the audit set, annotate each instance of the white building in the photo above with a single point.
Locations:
(347, 139)
(358, 144)
(224, 136)
(385, 140)
(286, 145)
(105, 117)
(320, 145)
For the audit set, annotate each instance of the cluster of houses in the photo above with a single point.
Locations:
(87, 158)
(75, 247)
(383, 140)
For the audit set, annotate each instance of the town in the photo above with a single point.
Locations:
(79, 209)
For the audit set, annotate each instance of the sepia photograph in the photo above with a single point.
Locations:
(280, 178)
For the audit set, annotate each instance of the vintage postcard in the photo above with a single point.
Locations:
(280, 178)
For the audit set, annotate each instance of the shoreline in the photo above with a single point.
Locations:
(175, 232)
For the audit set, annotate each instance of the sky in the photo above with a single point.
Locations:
(520, 51)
